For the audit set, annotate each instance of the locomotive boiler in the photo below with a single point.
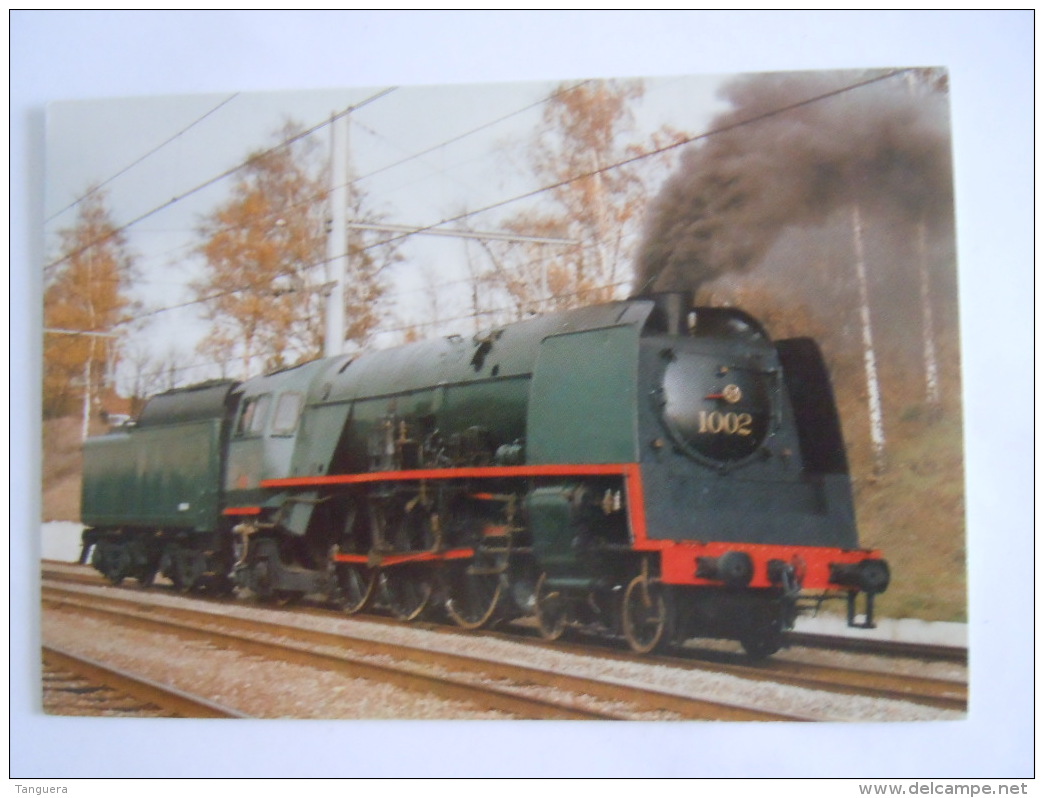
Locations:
(643, 468)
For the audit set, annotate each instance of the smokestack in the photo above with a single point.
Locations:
(670, 312)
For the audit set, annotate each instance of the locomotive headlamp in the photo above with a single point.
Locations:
(734, 568)
(871, 576)
(730, 393)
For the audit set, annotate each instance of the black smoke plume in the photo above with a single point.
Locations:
(794, 148)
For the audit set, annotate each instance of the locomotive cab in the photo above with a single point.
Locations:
(268, 527)
(264, 432)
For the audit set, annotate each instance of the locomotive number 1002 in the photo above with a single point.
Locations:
(715, 422)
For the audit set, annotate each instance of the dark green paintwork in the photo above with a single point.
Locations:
(769, 497)
(487, 381)
(582, 405)
(165, 472)
(161, 476)
(550, 513)
(266, 450)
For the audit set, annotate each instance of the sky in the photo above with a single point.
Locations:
(421, 153)
(990, 58)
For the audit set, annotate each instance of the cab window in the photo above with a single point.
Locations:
(288, 408)
(252, 415)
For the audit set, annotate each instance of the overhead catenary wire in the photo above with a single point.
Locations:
(504, 202)
(447, 142)
(406, 229)
(657, 151)
(558, 184)
(217, 178)
(153, 151)
(275, 148)
(400, 327)
(473, 131)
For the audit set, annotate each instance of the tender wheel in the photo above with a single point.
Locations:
(551, 610)
(473, 598)
(144, 562)
(148, 577)
(192, 566)
(644, 614)
(357, 584)
(112, 560)
(407, 591)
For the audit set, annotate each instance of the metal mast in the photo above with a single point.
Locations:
(337, 238)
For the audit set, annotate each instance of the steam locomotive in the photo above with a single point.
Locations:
(643, 468)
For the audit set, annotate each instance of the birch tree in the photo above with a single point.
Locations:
(921, 83)
(873, 385)
(264, 248)
(85, 298)
(583, 137)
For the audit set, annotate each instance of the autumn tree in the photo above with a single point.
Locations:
(921, 83)
(85, 299)
(595, 200)
(264, 250)
(370, 254)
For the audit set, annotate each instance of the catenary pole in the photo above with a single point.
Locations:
(337, 238)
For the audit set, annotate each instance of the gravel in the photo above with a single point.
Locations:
(277, 690)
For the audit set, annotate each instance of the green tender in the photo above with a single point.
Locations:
(161, 476)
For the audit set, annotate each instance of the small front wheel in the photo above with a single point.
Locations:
(763, 646)
(551, 610)
(644, 614)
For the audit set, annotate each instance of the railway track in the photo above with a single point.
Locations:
(514, 689)
(78, 685)
(881, 648)
(940, 693)
(947, 694)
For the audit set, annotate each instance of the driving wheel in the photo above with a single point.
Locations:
(474, 597)
(357, 583)
(407, 591)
